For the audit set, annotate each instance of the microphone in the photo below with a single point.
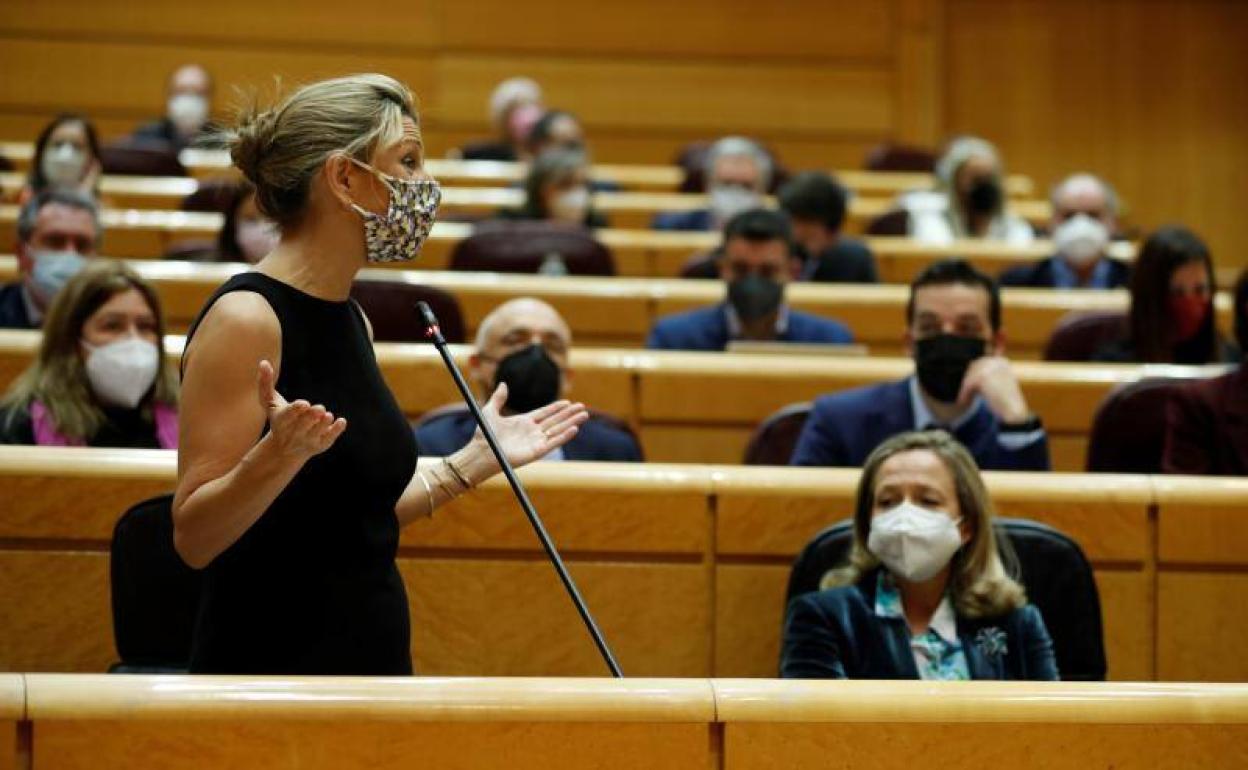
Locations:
(434, 333)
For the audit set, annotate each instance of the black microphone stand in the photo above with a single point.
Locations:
(434, 333)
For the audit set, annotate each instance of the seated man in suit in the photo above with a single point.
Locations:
(1207, 420)
(816, 204)
(1085, 211)
(56, 231)
(962, 384)
(187, 111)
(738, 174)
(524, 344)
(756, 262)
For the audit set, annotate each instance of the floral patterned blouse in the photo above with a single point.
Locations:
(938, 650)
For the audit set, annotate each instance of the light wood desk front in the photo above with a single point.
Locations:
(684, 566)
(306, 723)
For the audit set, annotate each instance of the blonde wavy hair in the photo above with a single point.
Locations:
(980, 584)
(57, 377)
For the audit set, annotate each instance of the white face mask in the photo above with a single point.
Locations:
(51, 271)
(912, 542)
(63, 164)
(571, 205)
(188, 112)
(122, 372)
(256, 238)
(729, 200)
(1081, 239)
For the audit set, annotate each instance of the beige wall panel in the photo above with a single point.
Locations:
(1201, 627)
(1022, 746)
(1127, 615)
(55, 613)
(512, 618)
(118, 745)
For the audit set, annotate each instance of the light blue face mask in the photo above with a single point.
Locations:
(52, 271)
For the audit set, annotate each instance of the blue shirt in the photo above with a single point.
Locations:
(925, 420)
(1064, 276)
(938, 650)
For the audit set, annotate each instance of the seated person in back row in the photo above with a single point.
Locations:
(100, 377)
(962, 383)
(524, 344)
(756, 263)
(1085, 211)
(737, 175)
(56, 232)
(816, 204)
(557, 189)
(1207, 420)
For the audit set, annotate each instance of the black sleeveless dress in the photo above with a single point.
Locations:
(312, 586)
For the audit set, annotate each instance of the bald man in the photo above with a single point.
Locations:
(1085, 216)
(525, 343)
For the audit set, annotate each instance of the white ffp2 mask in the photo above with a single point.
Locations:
(122, 372)
(1081, 239)
(913, 542)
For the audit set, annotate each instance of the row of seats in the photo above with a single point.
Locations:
(617, 312)
(208, 164)
(686, 567)
(111, 723)
(706, 407)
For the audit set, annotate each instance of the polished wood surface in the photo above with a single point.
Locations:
(684, 566)
(296, 722)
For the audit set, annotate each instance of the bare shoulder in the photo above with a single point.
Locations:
(238, 323)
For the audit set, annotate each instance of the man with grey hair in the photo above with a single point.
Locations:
(1085, 211)
(515, 106)
(56, 231)
(737, 174)
(524, 345)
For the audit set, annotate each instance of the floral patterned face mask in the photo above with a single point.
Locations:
(398, 235)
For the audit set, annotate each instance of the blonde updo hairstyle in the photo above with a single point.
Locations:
(280, 149)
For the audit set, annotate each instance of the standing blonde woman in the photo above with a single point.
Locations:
(100, 377)
(925, 594)
(297, 468)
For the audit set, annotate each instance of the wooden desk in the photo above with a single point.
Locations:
(102, 722)
(464, 173)
(12, 712)
(799, 725)
(619, 312)
(703, 407)
(683, 566)
(629, 209)
(1202, 552)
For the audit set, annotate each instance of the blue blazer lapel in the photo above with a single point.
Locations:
(983, 663)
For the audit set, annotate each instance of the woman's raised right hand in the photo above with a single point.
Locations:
(299, 429)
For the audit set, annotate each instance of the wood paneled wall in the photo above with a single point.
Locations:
(1150, 93)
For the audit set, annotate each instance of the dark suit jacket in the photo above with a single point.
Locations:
(849, 261)
(488, 150)
(835, 634)
(707, 329)
(596, 440)
(13, 313)
(843, 428)
(699, 220)
(1040, 274)
(1207, 427)
(163, 131)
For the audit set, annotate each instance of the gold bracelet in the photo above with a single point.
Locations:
(451, 494)
(428, 491)
(459, 476)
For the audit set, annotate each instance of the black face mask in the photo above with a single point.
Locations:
(533, 379)
(984, 197)
(755, 297)
(941, 362)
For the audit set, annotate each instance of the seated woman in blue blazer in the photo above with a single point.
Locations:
(926, 594)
